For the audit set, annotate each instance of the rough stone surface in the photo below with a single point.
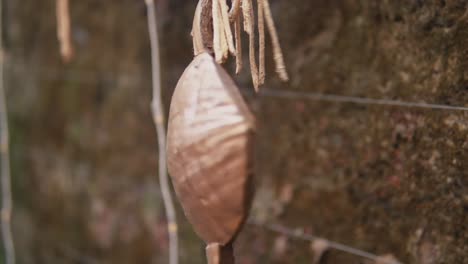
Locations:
(389, 180)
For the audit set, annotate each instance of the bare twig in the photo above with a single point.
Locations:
(64, 30)
(299, 234)
(158, 117)
(7, 203)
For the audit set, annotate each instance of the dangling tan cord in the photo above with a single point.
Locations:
(234, 12)
(64, 30)
(217, 45)
(261, 43)
(223, 42)
(202, 30)
(198, 46)
(238, 29)
(277, 53)
(247, 11)
(222, 35)
(227, 26)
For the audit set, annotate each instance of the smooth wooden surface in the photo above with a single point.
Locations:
(210, 151)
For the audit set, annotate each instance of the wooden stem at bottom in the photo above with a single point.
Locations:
(219, 254)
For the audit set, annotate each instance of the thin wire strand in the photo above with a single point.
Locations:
(298, 234)
(7, 203)
(90, 77)
(158, 116)
(356, 100)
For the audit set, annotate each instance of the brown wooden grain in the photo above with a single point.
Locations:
(209, 149)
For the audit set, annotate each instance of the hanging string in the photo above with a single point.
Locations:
(89, 77)
(356, 100)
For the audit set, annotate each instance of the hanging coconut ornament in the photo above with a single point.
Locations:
(210, 134)
(209, 146)
(210, 151)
